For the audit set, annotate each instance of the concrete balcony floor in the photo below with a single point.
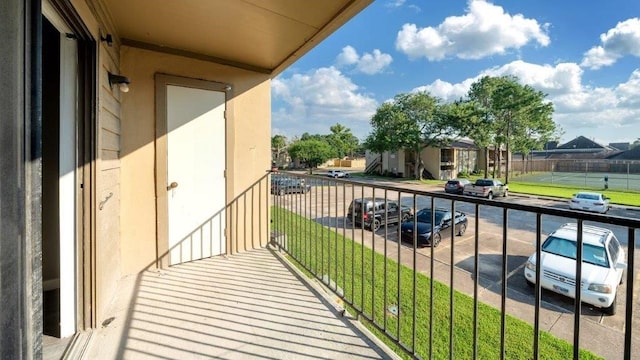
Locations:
(245, 306)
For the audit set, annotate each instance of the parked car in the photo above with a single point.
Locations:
(488, 188)
(337, 174)
(602, 265)
(281, 186)
(590, 201)
(375, 212)
(456, 186)
(443, 225)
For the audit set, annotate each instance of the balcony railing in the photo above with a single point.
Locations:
(466, 297)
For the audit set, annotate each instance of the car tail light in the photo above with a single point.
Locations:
(365, 216)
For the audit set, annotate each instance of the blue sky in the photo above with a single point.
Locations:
(584, 54)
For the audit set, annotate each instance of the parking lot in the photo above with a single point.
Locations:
(600, 333)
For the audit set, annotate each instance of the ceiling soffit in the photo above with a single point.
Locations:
(258, 35)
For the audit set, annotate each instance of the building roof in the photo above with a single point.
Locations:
(582, 142)
(463, 144)
(624, 146)
(632, 154)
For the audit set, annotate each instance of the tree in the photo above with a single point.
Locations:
(412, 121)
(278, 146)
(513, 115)
(480, 120)
(312, 152)
(524, 118)
(342, 140)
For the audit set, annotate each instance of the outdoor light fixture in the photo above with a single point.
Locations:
(121, 81)
(108, 39)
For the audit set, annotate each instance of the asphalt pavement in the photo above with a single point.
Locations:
(604, 335)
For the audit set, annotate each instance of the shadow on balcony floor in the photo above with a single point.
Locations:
(245, 306)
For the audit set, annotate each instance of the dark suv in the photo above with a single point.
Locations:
(373, 213)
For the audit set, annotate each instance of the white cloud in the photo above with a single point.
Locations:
(315, 101)
(368, 63)
(622, 40)
(604, 113)
(395, 3)
(348, 56)
(446, 91)
(400, 3)
(483, 31)
(561, 78)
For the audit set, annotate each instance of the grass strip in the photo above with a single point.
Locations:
(628, 197)
(359, 273)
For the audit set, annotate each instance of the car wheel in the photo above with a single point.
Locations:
(530, 284)
(282, 192)
(335, 176)
(506, 193)
(490, 196)
(462, 229)
(375, 226)
(435, 239)
(611, 310)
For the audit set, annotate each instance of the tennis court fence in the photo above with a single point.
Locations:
(619, 174)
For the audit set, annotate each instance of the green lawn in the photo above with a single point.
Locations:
(360, 273)
(630, 198)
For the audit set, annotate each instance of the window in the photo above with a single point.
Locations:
(591, 254)
(614, 249)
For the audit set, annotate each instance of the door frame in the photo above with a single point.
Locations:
(161, 153)
(85, 160)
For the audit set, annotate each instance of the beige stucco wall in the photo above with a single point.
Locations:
(431, 158)
(248, 142)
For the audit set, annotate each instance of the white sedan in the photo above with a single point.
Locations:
(337, 174)
(590, 201)
(602, 265)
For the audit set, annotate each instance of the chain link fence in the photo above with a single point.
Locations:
(614, 174)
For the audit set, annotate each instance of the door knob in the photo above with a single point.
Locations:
(173, 185)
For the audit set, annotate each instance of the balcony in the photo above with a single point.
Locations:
(466, 298)
(243, 306)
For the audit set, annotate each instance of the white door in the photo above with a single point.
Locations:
(195, 173)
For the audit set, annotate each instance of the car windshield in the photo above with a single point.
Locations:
(591, 254)
(424, 216)
(588, 196)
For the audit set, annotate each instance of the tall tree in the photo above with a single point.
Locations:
(278, 146)
(412, 121)
(480, 125)
(342, 140)
(513, 115)
(524, 117)
(312, 152)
